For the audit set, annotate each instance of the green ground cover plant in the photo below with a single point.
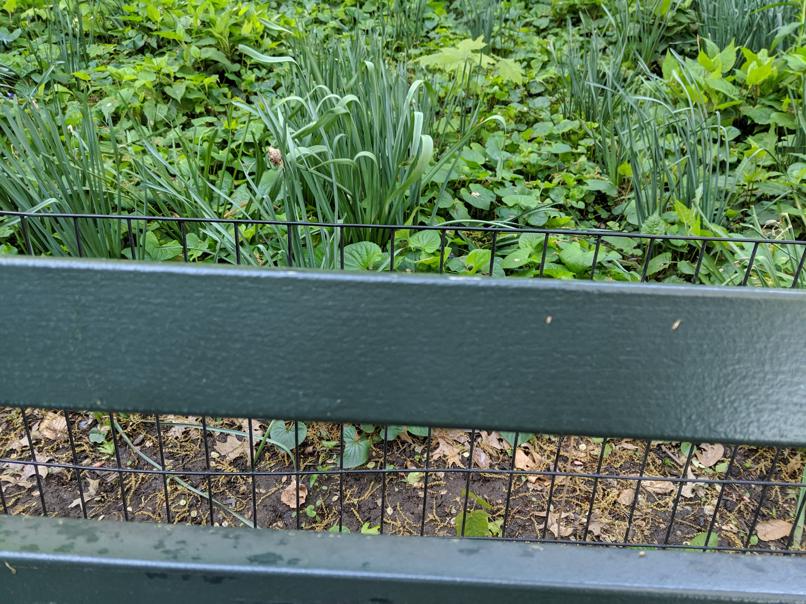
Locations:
(674, 117)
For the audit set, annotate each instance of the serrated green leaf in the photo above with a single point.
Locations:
(509, 70)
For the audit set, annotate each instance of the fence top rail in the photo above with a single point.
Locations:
(464, 226)
(603, 359)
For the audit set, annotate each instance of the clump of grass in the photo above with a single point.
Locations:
(675, 154)
(47, 163)
(403, 22)
(356, 138)
(8, 78)
(481, 17)
(593, 84)
(751, 23)
(641, 26)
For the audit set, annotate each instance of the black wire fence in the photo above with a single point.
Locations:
(452, 248)
(402, 480)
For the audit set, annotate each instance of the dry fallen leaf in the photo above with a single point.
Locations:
(481, 459)
(289, 494)
(53, 426)
(595, 528)
(29, 470)
(772, 530)
(658, 487)
(557, 528)
(231, 448)
(526, 459)
(450, 446)
(492, 440)
(626, 496)
(523, 460)
(708, 454)
(688, 488)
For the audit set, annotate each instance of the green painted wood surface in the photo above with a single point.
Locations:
(670, 362)
(76, 562)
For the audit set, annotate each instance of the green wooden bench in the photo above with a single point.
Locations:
(659, 362)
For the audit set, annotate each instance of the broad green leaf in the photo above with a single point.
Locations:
(476, 524)
(605, 186)
(283, 433)
(698, 540)
(458, 57)
(153, 13)
(176, 90)
(575, 258)
(659, 263)
(523, 437)
(478, 196)
(516, 259)
(420, 431)
(356, 448)
(528, 202)
(478, 261)
(427, 241)
(363, 256)
(392, 432)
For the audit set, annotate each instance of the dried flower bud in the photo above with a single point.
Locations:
(275, 157)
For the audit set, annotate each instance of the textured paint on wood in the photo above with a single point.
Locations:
(604, 359)
(75, 562)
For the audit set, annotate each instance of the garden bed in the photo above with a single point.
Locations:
(592, 498)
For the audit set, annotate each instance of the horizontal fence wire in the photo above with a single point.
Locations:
(404, 480)
(476, 249)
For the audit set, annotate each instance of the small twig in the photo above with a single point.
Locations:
(178, 480)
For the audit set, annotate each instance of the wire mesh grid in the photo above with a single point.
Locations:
(402, 480)
(453, 248)
(473, 483)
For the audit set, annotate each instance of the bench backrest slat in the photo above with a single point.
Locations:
(605, 359)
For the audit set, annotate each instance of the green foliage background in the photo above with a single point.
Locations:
(660, 116)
